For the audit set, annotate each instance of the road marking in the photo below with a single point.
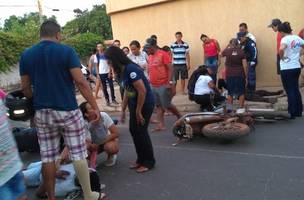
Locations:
(224, 152)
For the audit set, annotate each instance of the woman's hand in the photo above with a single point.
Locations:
(123, 117)
(139, 118)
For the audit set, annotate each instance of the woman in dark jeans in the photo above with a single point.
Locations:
(290, 67)
(140, 101)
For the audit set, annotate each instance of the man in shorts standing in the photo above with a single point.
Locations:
(160, 76)
(181, 59)
(48, 71)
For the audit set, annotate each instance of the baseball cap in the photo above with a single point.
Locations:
(274, 22)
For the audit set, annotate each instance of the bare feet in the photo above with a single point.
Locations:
(159, 129)
(142, 169)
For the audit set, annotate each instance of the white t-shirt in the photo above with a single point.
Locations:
(99, 132)
(292, 52)
(104, 68)
(201, 85)
(141, 60)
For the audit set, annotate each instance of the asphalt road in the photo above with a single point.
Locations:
(266, 165)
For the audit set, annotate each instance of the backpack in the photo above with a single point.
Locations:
(191, 84)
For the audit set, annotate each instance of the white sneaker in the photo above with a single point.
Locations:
(111, 161)
(240, 111)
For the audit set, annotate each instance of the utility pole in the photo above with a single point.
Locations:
(40, 10)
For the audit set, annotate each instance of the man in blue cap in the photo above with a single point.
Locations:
(251, 52)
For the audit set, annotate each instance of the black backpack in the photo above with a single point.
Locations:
(193, 78)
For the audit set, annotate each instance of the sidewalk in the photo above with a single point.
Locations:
(185, 105)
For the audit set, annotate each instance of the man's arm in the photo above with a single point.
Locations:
(85, 90)
(188, 60)
(170, 71)
(26, 86)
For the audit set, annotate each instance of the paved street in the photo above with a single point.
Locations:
(266, 165)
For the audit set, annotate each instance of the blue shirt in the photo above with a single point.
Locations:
(131, 74)
(48, 65)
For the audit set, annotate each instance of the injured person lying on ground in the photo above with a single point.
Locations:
(205, 92)
(66, 184)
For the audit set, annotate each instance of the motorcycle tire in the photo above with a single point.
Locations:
(223, 131)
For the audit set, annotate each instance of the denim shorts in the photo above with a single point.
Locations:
(13, 189)
(236, 86)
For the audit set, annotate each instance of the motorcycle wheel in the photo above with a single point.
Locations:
(229, 131)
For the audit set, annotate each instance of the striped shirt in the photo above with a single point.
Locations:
(10, 163)
(179, 53)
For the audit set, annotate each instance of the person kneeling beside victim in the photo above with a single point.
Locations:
(103, 136)
(205, 92)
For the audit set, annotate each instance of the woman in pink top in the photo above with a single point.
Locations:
(211, 55)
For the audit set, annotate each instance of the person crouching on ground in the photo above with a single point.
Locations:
(236, 70)
(205, 90)
(103, 136)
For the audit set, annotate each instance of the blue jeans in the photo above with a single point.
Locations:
(212, 63)
(13, 189)
(290, 81)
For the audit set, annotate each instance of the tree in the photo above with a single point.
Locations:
(96, 21)
(84, 43)
(27, 25)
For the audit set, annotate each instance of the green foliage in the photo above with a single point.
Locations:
(27, 26)
(96, 21)
(11, 47)
(82, 33)
(83, 43)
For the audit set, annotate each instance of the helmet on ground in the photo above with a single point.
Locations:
(19, 107)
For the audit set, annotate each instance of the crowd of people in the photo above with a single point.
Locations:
(147, 77)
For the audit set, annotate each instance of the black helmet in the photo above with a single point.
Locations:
(19, 107)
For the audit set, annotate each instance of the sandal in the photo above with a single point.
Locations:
(142, 169)
(101, 196)
(134, 166)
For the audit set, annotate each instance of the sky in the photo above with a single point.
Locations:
(65, 13)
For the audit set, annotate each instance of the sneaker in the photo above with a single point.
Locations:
(111, 161)
(115, 102)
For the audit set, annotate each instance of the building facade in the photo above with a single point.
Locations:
(219, 19)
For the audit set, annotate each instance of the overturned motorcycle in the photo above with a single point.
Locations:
(222, 125)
